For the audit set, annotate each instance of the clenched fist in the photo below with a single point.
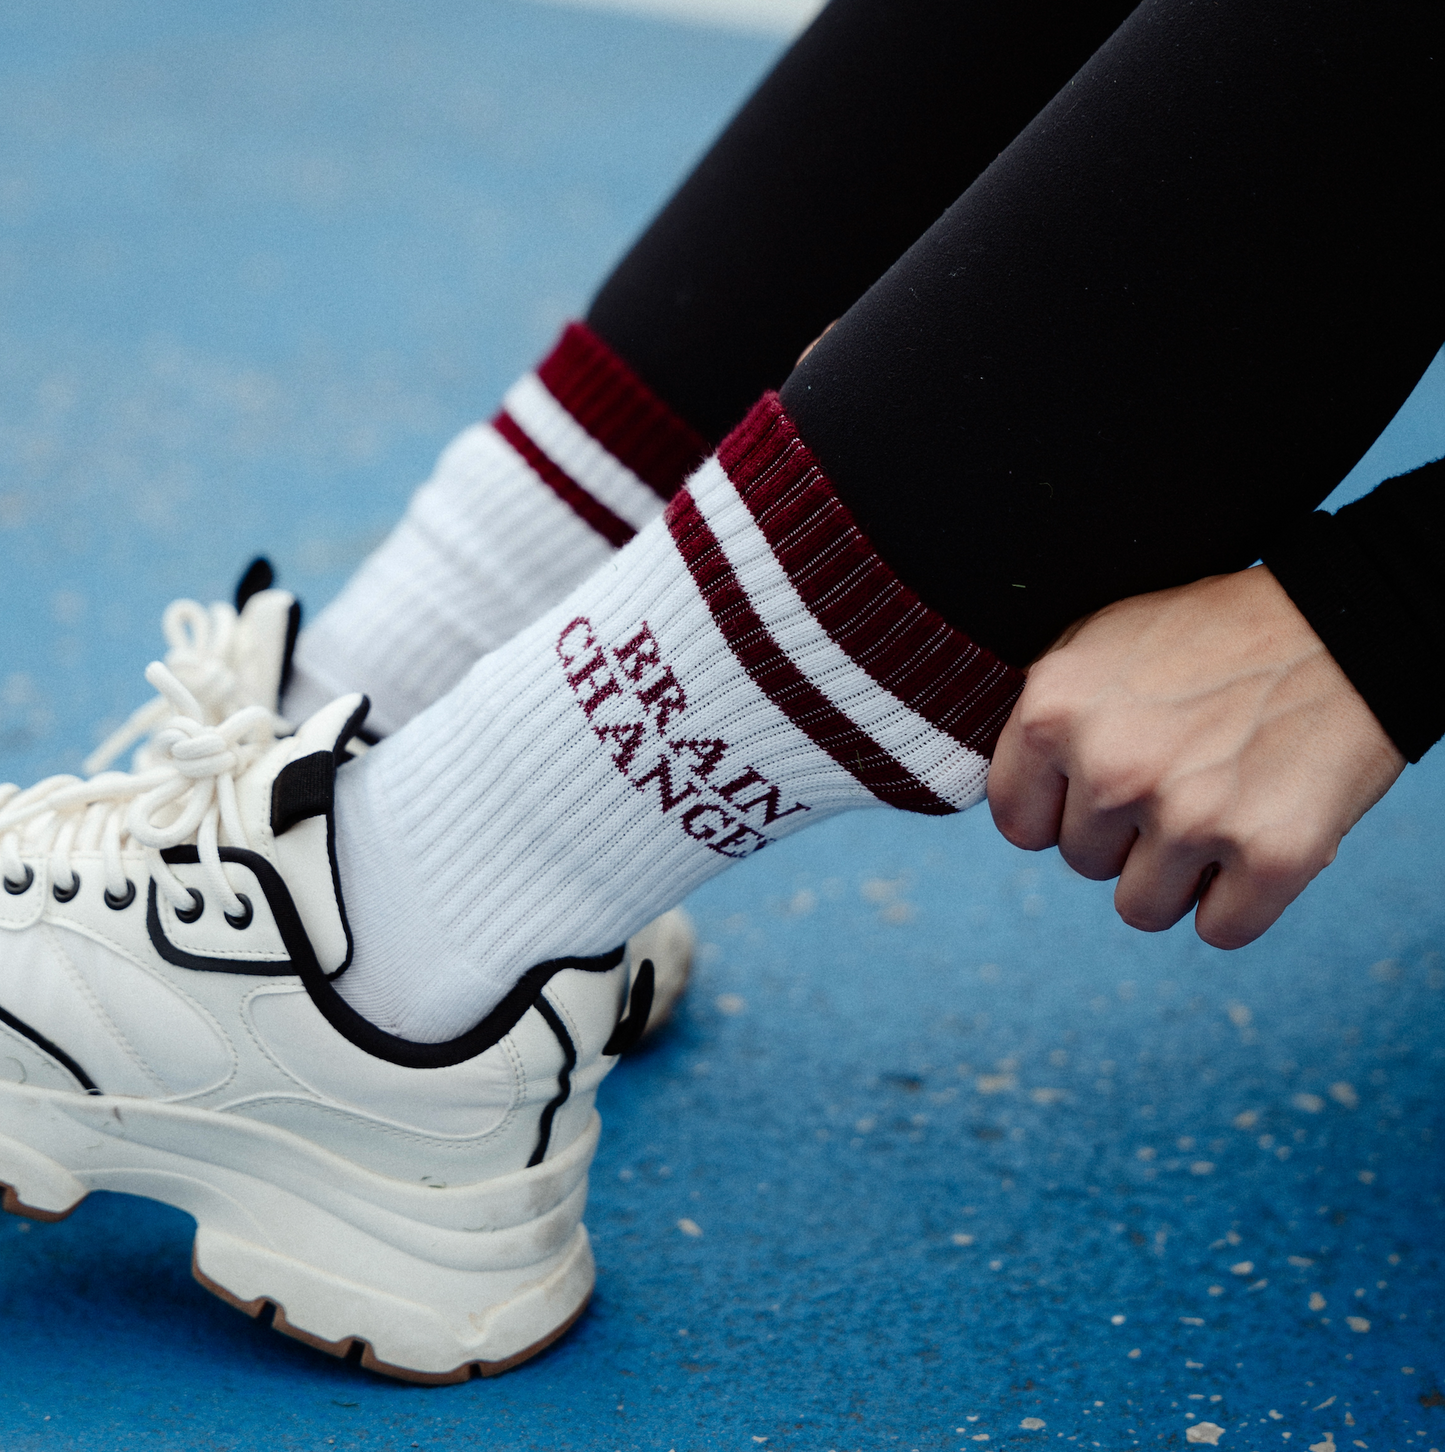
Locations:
(1201, 745)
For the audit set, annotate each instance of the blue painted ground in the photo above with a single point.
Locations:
(963, 1150)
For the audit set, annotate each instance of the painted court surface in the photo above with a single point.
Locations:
(939, 1155)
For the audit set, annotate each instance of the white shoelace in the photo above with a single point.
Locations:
(185, 791)
(204, 645)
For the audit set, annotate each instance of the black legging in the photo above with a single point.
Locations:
(1150, 336)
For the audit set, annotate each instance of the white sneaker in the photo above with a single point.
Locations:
(230, 657)
(168, 1028)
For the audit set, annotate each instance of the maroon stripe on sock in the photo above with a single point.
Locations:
(614, 530)
(620, 411)
(910, 650)
(786, 686)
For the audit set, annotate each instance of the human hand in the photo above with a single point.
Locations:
(1200, 744)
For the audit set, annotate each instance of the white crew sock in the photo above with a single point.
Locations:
(582, 455)
(745, 667)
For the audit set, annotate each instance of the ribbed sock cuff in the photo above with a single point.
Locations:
(594, 434)
(621, 412)
(581, 457)
(872, 640)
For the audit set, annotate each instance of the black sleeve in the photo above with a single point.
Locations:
(1160, 327)
(1371, 581)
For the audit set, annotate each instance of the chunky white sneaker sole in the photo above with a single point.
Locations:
(425, 1284)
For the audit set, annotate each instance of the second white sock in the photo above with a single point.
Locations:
(581, 456)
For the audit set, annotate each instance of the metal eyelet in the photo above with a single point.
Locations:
(242, 918)
(119, 904)
(190, 914)
(16, 888)
(64, 894)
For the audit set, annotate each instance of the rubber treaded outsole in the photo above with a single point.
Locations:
(349, 1348)
(358, 1350)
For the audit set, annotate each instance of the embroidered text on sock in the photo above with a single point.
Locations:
(747, 665)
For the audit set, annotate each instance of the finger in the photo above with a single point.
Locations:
(1160, 882)
(1246, 897)
(1095, 843)
(1025, 790)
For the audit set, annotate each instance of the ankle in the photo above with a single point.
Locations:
(394, 930)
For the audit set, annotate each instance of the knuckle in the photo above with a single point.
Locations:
(1118, 774)
(1045, 712)
(1192, 829)
(1141, 906)
(1277, 863)
(1046, 674)
(1116, 786)
(1009, 808)
(1041, 729)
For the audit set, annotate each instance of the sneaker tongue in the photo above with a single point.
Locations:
(332, 727)
(286, 802)
(266, 635)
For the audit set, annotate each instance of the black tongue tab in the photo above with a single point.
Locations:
(259, 576)
(303, 788)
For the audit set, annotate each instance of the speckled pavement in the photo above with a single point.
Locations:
(938, 1155)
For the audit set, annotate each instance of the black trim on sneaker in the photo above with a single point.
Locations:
(293, 629)
(362, 1032)
(340, 756)
(302, 960)
(257, 576)
(276, 895)
(305, 788)
(564, 1078)
(477, 1040)
(54, 1050)
(627, 1033)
